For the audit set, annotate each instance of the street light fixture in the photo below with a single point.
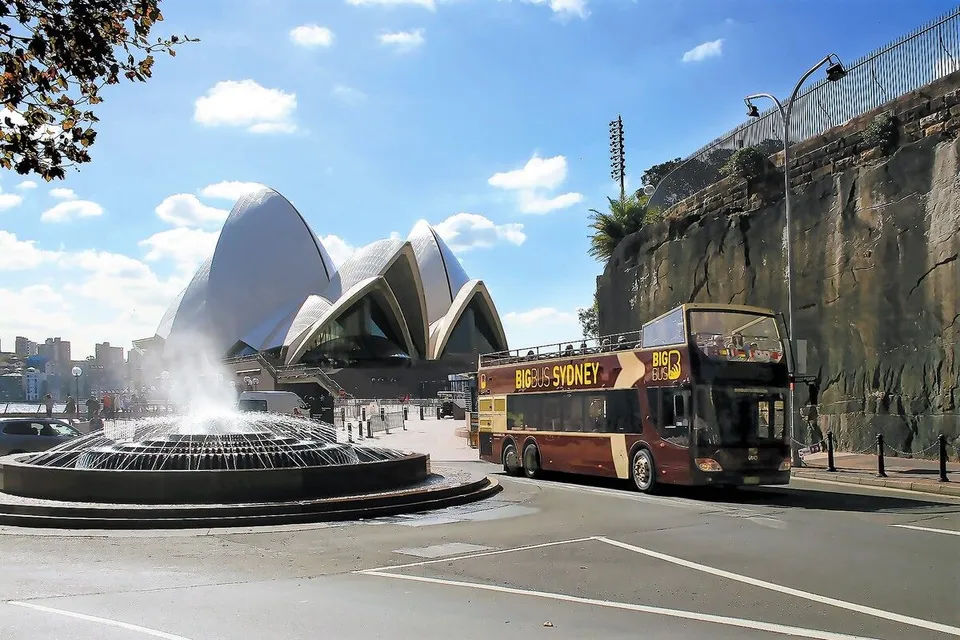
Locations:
(77, 372)
(256, 382)
(834, 72)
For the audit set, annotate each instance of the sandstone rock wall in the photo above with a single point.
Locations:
(877, 240)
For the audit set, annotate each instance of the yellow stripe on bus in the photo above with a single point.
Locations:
(618, 449)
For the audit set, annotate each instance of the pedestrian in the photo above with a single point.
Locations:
(107, 405)
(96, 423)
(71, 409)
(48, 401)
(92, 405)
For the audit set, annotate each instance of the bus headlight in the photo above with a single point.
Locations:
(785, 465)
(708, 464)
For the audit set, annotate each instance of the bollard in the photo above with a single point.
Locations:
(349, 432)
(359, 431)
(830, 466)
(438, 413)
(942, 439)
(421, 412)
(369, 429)
(405, 414)
(880, 471)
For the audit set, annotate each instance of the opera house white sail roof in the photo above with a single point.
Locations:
(270, 285)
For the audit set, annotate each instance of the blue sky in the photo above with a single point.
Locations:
(488, 118)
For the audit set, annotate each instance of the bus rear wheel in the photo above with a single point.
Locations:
(511, 462)
(643, 471)
(531, 461)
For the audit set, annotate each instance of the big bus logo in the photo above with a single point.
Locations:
(666, 365)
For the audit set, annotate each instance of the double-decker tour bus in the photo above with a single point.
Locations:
(698, 396)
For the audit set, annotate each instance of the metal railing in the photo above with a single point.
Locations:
(567, 348)
(910, 62)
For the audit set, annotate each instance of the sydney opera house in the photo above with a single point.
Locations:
(397, 314)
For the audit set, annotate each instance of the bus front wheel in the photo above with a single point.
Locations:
(511, 462)
(643, 471)
(531, 461)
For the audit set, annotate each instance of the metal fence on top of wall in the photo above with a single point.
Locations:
(908, 63)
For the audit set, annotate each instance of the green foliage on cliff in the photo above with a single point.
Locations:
(882, 131)
(749, 162)
(625, 216)
(589, 320)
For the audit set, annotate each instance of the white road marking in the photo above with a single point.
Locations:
(640, 608)
(107, 621)
(481, 554)
(807, 595)
(441, 550)
(930, 529)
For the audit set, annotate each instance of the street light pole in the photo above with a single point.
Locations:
(834, 72)
(618, 160)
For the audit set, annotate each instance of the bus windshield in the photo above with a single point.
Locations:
(739, 416)
(736, 336)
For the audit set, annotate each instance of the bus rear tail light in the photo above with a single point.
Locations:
(785, 465)
(708, 464)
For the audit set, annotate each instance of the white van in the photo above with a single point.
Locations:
(274, 401)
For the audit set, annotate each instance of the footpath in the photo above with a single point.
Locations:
(909, 474)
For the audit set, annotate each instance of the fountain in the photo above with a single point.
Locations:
(220, 468)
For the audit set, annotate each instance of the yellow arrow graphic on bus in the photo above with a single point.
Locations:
(631, 370)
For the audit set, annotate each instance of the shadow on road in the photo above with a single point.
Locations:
(838, 499)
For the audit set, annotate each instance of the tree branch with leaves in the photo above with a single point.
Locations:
(56, 56)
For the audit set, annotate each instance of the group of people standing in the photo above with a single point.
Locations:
(110, 405)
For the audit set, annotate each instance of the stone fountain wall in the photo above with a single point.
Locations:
(877, 239)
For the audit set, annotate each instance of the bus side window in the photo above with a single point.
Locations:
(596, 414)
(653, 405)
(573, 412)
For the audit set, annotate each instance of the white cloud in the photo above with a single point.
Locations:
(540, 325)
(338, 248)
(230, 189)
(66, 211)
(311, 35)
(186, 248)
(711, 49)
(9, 201)
(533, 182)
(118, 280)
(348, 95)
(185, 210)
(41, 311)
(426, 4)
(27, 184)
(531, 202)
(465, 231)
(62, 193)
(403, 40)
(16, 255)
(542, 173)
(565, 8)
(246, 104)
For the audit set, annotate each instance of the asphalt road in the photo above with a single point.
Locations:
(553, 558)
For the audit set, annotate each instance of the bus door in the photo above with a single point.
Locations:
(670, 412)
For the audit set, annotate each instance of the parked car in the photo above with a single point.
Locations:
(23, 435)
(273, 401)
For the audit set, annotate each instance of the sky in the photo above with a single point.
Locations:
(487, 118)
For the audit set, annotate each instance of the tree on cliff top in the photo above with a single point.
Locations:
(626, 216)
(56, 56)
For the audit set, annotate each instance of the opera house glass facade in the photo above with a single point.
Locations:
(271, 290)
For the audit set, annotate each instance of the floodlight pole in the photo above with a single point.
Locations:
(618, 166)
(785, 120)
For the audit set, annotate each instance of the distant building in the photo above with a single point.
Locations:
(11, 387)
(57, 353)
(110, 361)
(24, 347)
(35, 379)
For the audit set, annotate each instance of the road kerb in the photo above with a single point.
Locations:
(939, 488)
